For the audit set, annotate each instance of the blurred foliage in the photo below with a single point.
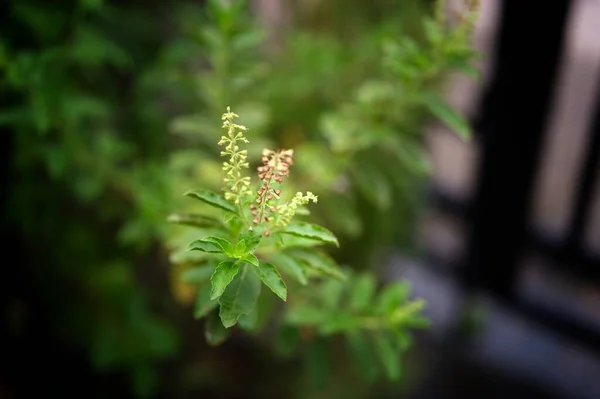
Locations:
(90, 90)
(87, 182)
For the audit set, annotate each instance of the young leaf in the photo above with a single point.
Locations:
(197, 275)
(362, 292)
(212, 199)
(319, 263)
(222, 277)
(214, 331)
(408, 313)
(240, 249)
(363, 355)
(391, 297)
(270, 276)
(290, 266)
(251, 238)
(312, 231)
(446, 114)
(239, 297)
(250, 258)
(213, 245)
(203, 302)
(388, 356)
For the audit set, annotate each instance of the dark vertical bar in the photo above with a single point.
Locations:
(511, 127)
(587, 179)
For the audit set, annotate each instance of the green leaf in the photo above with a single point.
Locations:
(290, 266)
(239, 297)
(290, 241)
(312, 231)
(222, 277)
(408, 313)
(251, 238)
(362, 292)
(446, 114)
(250, 258)
(212, 199)
(362, 352)
(319, 263)
(388, 355)
(197, 275)
(214, 331)
(270, 276)
(203, 302)
(391, 297)
(195, 220)
(240, 249)
(213, 245)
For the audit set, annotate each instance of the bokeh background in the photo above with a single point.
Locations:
(110, 110)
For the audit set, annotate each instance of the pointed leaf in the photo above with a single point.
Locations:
(250, 258)
(206, 246)
(251, 238)
(446, 114)
(239, 297)
(203, 302)
(392, 297)
(197, 275)
(290, 266)
(319, 263)
(312, 231)
(270, 276)
(240, 249)
(223, 275)
(213, 245)
(214, 331)
(212, 199)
